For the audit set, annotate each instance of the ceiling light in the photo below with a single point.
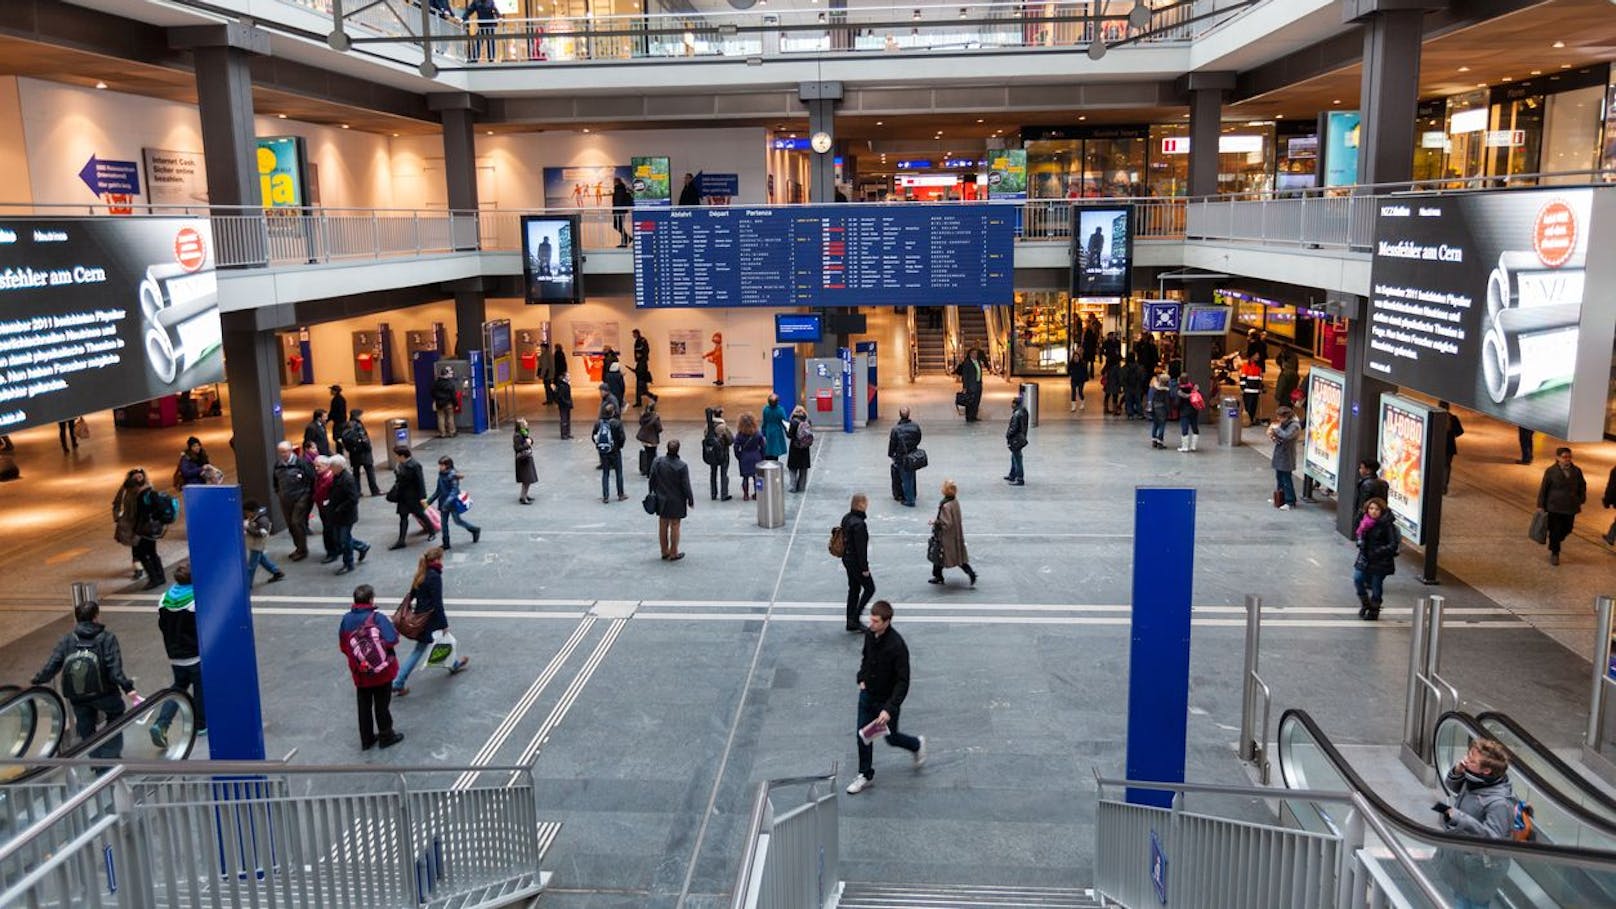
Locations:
(880, 123)
(1506, 79)
(1565, 66)
(1464, 69)
(1336, 101)
(1537, 72)
(962, 12)
(395, 135)
(1481, 85)
(1083, 117)
(979, 119)
(586, 129)
(100, 85)
(282, 116)
(1096, 49)
(1558, 44)
(344, 126)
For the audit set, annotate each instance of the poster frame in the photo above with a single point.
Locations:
(1410, 516)
(1317, 462)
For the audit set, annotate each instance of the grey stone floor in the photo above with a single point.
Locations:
(672, 687)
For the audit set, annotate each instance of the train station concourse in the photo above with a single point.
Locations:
(803, 454)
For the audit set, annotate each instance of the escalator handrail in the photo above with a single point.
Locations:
(10, 694)
(1565, 803)
(116, 727)
(1549, 757)
(1402, 823)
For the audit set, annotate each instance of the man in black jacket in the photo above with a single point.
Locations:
(444, 388)
(970, 373)
(361, 456)
(903, 440)
(316, 432)
(642, 369)
(608, 438)
(622, 202)
(91, 663)
(1561, 494)
(342, 510)
(1015, 438)
(409, 495)
(856, 559)
(670, 481)
(883, 680)
(294, 485)
(1370, 486)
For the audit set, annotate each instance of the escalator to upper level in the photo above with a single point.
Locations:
(1556, 870)
(33, 723)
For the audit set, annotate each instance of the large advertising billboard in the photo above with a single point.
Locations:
(1321, 453)
(551, 260)
(1404, 449)
(103, 312)
(652, 184)
(1491, 301)
(1102, 251)
(583, 186)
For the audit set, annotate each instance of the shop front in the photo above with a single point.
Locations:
(1047, 328)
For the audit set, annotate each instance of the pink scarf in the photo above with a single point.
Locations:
(1364, 524)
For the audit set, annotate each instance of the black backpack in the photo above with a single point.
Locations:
(84, 678)
(712, 452)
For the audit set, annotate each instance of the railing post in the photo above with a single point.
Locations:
(1603, 607)
(1347, 887)
(1248, 711)
(1414, 699)
(133, 870)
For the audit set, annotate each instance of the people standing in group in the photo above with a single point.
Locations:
(357, 446)
(800, 436)
(368, 639)
(322, 492)
(337, 414)
(1484, 808)
(1257, 352)
(257, 526)
(1369, 486)
(748, 454)
(1133, 379)
(426, 599)
(1077, 374)
(1284, 432)
(883, 680)
(902, 442)
(649, 437)
(1148, 353)
(487, 14)
(1091, 344)
(192, 460)
(294, 485)
(176, 622)
(342, 512)
(970, 373)
(1561, 494)
(670, 483)
(1189, 416)
(1159, 401)
(93, 681)
(1015, 439)
(409, 495)
(642, 369)
(622, 204)
(526, 473)
(715, 451)
(1110, 386)
(563, 400)
(449, 503)
(445, 401)
(1251, 389)
(773, 427)
(1378, 542)
(856, 559)
(316, 434)
(948, 535)
(609, 438)
(138, 525)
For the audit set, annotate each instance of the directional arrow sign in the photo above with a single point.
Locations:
(103, 176)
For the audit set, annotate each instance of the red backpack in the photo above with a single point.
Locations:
(366, 651)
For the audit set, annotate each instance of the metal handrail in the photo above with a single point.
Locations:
(17, 842)
(59, 856)
(1260, 792)
(754, 828)
(245, 768)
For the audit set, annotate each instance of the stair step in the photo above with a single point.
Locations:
(856, 895)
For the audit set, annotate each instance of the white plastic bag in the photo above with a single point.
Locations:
(443, 649)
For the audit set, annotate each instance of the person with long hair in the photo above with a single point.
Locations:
(426, 596)
(748, 452)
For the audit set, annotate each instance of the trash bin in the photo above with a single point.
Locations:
(1229, 422)
(398, 432)
(771, 494)
(83, 592)
(1029, 396)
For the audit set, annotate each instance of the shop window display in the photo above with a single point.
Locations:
(1040, 337)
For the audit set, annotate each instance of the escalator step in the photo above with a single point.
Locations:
(857, 895)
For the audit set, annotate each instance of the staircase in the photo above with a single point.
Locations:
(931, 346)
(973, 328)
(948, 896)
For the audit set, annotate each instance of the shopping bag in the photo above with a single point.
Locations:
(462, 503)
(1539, 531)
(434, 520)
(443, 648)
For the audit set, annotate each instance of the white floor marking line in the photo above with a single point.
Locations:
(506, 726)
(559, 711)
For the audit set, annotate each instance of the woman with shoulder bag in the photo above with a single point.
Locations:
(421, 615)
(526, 473)
(946, 548)
(799, 457)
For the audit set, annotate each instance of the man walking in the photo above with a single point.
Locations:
(316, 434)
(883, 680)
(1284, 432)
(294, 486)
(642, 369)
(91, 664)
(670, 483)
(444, 391)
(409, 495)
(367, 638)
(1015, 438)
(176, 619)
(856, 560)
(608, 437)
(622, 203)
(337, 414)
(361, 456)
(901, 443)
(1561, 494)
(342, 511)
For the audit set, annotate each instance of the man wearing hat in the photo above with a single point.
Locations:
(1284, 431)
(337, 413)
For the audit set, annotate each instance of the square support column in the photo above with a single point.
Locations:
(1206, 94)
(1390, 92)
(252, 372)
(459, 113)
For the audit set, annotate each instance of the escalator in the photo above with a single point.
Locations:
(1512, 874)
(33, 721)
(1567, 779)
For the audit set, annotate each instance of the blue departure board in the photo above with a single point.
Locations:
(825, 255)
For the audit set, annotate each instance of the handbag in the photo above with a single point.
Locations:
(392, 495)
(81, 428)
(960, 399)
(461, 503)
(934, 549)
(410, 624)
(1279, 498)
(916, 460)
(1539, 529)
(650, 503)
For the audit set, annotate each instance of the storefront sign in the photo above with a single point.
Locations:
(1505, 138)
(1321, 458)
(1227, 145)
(1403, 451)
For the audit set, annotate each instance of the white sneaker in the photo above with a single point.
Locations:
(1082, 405)
(1074, 407)
(859, 784)
(920, 753)
(1284, 508)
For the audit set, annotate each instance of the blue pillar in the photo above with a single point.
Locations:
(846, 356)
(868, 347)
(224, 622)
(1159, 654)
(785, 375)
(306, 351)
(426, 372)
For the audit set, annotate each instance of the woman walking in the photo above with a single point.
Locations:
(649, 436)
(447, 498)
(947, 546)
(526, 473)
(748, 452)
(426, 599)
(135, 524)
(1378, 542)
(799, 458)
(1077, 373)
(715, 451)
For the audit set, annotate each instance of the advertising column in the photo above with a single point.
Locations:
(1321, 461)
(1410, 451)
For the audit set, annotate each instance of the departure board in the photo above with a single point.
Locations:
(824, 255)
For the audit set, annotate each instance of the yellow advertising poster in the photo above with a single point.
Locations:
(1322, 448)
(1404, 448)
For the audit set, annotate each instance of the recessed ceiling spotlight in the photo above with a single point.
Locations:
(1082, 116)
(489, 133)
(344, 126)
(395, 135)
(1558, 44)
(104, 85)
(1279, 116)
(979, 119)
(1537, 72)
(1336, 101)
(880, 123)
(1481, 85)
(1506, 79)
(1565, 66)
(282, 116)
(1464, 69)
(586, 129)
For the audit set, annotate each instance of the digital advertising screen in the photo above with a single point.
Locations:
(551, 261)
(1102, 251)
(1491, 301)
(104, 312)
(1342, 129)
(1403, 450)
(798, 327)
(1205, 320)
(1321, 450)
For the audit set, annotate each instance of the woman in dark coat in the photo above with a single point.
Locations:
(526, 473)
(799, 455)
(949, 530)
(1378, 542)
(748, 452)
(426, 594)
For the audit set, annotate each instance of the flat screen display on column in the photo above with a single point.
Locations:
(103, 312)
(552, 263)
(1102, 251)
(1491, 301)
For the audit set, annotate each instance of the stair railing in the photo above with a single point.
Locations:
(790, 860)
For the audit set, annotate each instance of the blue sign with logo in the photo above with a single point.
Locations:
(790, 145)
(914, 164)
(1161, 315)
(1158, 868)
(106, 176)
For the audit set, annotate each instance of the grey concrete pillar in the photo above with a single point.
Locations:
(459, 115)
(252, 371)
(471, 311)
(1360, 413)
(821, 98)
(1207, 92)
(1392, 33)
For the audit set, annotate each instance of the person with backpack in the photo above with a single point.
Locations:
(773, 426)
(855, 540)
(649, 436)
(1190, 402)
(257, 526)
(153, 512)
(1378, 542)
(748, 454)
(715, 449)
(176, 620)
(450, 505)
(1015, 438)
(608, 437)
(799, 458)
(93, 680)
(670, 484)
(563, 402)
(361, 455)
(367, 639)
(1284, 432)
(426, 605)
(1484, 806)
